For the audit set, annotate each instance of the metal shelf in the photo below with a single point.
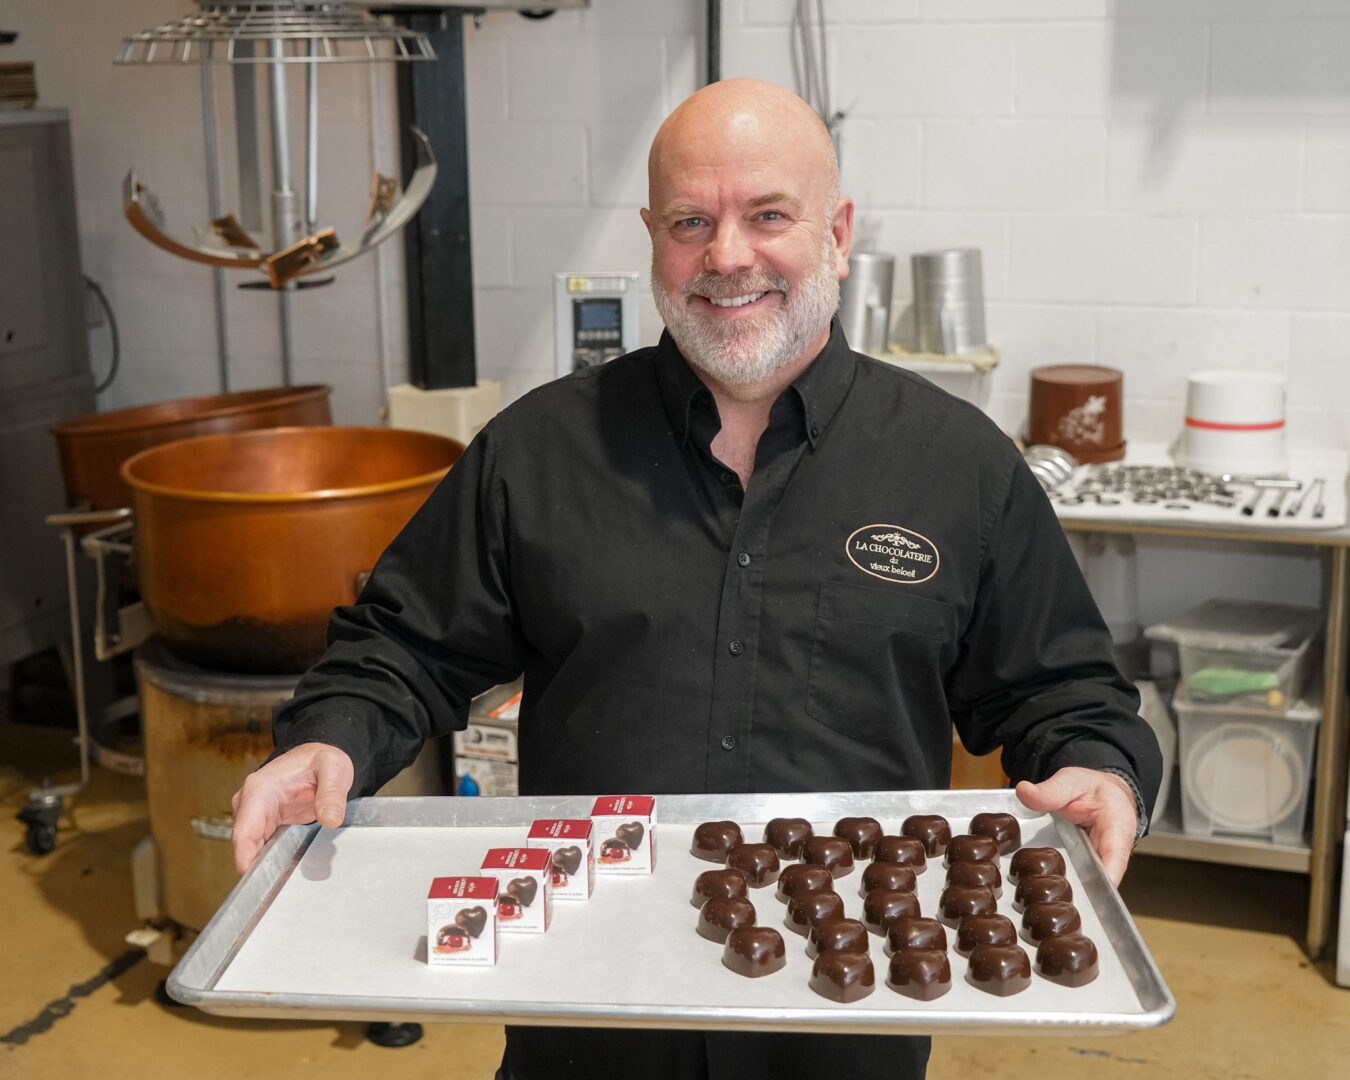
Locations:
(1167, 839)
(1320, 860)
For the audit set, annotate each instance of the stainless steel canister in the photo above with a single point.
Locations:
(865, 301)
(948, 301)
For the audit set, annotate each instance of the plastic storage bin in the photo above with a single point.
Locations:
(1245, 772)
(1254, 655)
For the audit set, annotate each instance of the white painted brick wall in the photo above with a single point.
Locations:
(1156, 185)
(1113, 259)
(1013, 164)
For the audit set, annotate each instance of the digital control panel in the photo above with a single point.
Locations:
(596, 317)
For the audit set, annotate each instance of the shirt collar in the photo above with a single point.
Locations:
(821, 388)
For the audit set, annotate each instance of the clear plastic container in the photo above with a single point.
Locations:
(1254, 655)
(1245, 772)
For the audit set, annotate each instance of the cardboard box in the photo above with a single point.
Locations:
(625, 834)
(525, 888)
(462, 921)
(571, 853)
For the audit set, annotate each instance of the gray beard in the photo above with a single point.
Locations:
(741, 352)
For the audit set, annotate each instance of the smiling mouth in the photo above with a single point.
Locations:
(735, 301)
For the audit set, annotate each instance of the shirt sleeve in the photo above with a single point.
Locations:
(434, 626)
(1035, 673)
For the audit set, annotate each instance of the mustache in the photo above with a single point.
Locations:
(724, 286)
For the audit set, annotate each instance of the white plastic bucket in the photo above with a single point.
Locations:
(1234, 423)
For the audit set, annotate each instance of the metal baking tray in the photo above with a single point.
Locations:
(331, 925)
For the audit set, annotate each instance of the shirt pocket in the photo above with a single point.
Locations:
(877, 660)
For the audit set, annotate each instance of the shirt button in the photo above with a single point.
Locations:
(735, 647)
(815, 432)
(743, 558)
(726, 477)
(728, 742)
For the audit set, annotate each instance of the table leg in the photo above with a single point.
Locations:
(1329, 803)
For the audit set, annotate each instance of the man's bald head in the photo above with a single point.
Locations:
(743, 117)
(749, 235)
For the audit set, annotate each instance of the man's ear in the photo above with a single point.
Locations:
(841, 228)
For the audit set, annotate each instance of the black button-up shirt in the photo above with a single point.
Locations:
(891, 567)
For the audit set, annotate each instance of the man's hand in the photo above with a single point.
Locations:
(1099, 801)
(307, 783)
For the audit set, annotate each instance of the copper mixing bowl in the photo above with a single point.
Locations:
(93, 447)
(247, 541)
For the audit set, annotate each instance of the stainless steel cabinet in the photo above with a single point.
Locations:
(44, 371)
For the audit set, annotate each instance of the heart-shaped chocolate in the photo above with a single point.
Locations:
(473, 919)
(567, 859)
(631, 834)
(523, 889)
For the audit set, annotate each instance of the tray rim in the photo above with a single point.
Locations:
(193, 979)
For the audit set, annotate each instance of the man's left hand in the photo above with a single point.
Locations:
(1099, 801)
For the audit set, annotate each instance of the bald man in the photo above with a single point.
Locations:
(747, 559)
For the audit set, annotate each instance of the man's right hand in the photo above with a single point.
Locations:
(307, 783)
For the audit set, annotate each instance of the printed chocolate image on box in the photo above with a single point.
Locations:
(572, 856)
(525, 888)
(462, 921)
(625, 831)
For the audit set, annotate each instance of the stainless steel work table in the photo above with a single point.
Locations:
(1319, 861)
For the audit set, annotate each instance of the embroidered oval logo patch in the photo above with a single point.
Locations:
(893, 554)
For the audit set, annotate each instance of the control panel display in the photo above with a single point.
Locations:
(595, 318)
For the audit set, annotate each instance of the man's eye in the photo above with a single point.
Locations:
(690, 223)
(771, 215)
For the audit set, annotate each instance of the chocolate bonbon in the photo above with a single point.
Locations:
(975, 930)
(958, 901)
(1034, 860)
(631, 833)
(904, 850)
(567, 859)
(803, 878)
(1002, 828)
(999, 969)
(832, 852)
(921, 974)
(970, 848)
(931, 830)
(805, 908)
(524, 889)
(787, 835)
(1067, 959)
(754, 951)
(1047, 918)
(717, 918)
(722, 884)
(843, 975)
(615, 850)
(915, 933)
(835, 933)
(713, 839)
(862, 833)
(881, 907)
(1037, 888)
(472, 919)
(759, 863)
(881, 875)
(976, 873)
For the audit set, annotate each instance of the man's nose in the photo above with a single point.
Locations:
(729, 250)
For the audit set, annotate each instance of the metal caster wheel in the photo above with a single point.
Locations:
(162, 995)
(41, 838)
(40, 816)
(393, 1035)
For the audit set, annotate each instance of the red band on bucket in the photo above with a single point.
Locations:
(1210, 425)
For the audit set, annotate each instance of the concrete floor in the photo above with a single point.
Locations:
(75, 1002)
